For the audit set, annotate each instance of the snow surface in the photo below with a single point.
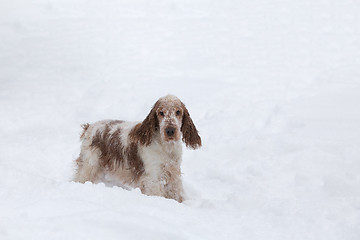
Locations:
(272, 85)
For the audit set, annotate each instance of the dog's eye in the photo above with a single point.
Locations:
(161, 113)
(178, 112)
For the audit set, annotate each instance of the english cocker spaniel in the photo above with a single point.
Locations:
(145, 155)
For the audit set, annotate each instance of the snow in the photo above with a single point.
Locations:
(272, 86)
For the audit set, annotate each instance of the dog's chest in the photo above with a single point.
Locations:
(157, 157)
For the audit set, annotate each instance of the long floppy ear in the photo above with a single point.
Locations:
(143, 133)
(190, 135)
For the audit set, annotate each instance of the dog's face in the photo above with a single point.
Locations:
(169, 113)
(170, 117)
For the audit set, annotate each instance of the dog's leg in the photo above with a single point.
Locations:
(88, 167)
(174, 189)
(151, 186)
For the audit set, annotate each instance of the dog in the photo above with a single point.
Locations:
(145, 155)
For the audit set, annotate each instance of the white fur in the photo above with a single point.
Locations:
(158, 157)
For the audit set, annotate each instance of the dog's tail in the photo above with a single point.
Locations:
(84, 127)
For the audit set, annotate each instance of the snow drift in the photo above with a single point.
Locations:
(272, 86)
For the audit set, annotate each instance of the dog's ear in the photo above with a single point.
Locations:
(190, 134)
(143, 133)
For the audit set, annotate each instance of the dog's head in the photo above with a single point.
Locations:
(172, 120)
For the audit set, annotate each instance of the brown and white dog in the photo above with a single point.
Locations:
(145, 155)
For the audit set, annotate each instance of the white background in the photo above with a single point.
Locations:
(273, 86)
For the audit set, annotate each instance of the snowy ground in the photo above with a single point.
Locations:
(273, 87)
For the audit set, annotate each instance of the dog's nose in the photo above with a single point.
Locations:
(170, 131)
